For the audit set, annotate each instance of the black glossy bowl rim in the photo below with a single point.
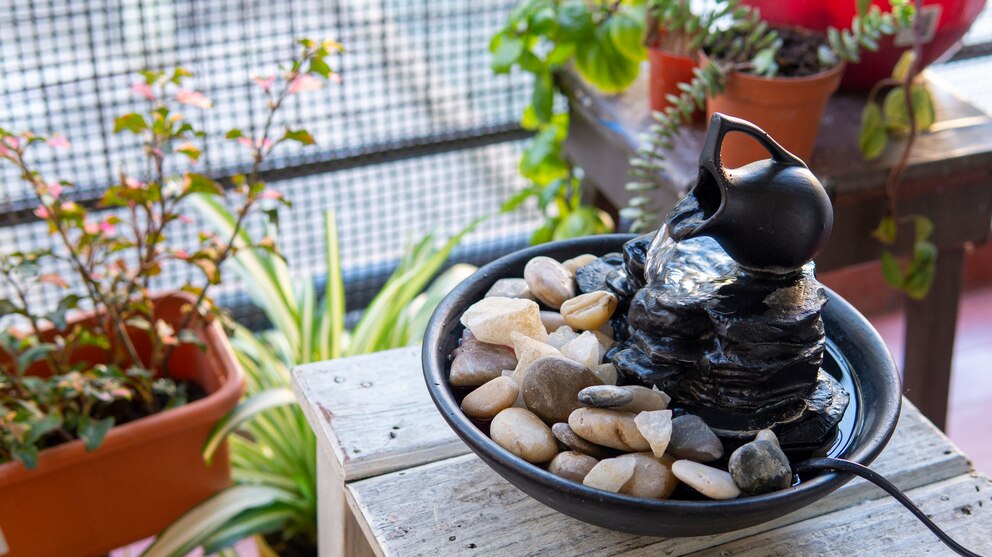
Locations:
(434, 366)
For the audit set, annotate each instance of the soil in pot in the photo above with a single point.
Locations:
(789, 106)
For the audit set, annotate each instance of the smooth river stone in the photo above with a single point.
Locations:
(578, 261)
(572, 465)
(608, 428)
(711, 482)
(493, 320)
(692, 439)
(549, 281)
(605, 396)
(589, 311)
(570, 439)
(476, 363)
(551, 387)
(651, 479)
(585, 349)
(524, 434)
(760, 467)
(510, 288)
(766, 435)
(645, 399)
(610, 474)
(490, 399)
(656, 427)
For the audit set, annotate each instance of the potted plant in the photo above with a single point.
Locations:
(673, 36)
(103, 412)
(273, 448)
(741, 75)
(602, 41)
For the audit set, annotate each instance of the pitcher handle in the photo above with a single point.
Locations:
(720, 124)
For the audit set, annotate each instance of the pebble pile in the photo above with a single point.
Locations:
(533, 356)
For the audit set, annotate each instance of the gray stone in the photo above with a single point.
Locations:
(572, 465)
(644, 399)
(551, 387)
(605, 396)
(476, 363)
(692, 439)
(510, 288)
(760, 467)
(570, 439)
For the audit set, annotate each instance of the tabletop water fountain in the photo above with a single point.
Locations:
(600, 349)
(724, 308)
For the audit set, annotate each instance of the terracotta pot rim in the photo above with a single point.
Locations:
(210, 407)
(824, 75)
(655, 49)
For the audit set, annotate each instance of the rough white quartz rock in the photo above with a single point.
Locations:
(494, 319)
(607, 373)
(529, 351)
(711, 482)
(562, 336)
(656, 427)
(610, 474)
(585, 349)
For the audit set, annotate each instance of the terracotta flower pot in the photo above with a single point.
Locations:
(667, 71)
(788, 108)
(145, 474)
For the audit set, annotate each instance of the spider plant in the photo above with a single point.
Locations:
(273, 450)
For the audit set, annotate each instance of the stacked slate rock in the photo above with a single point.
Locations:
(740, 348)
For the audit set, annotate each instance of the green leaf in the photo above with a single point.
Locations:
(134, 123)
(331, 336)
(891, 270)
(599, 63)
(34, 354)
(560, 54)
(627, 35)
(872, 138)
(506, 49)
(245, 411)
(894, 109)
(42, 426)
(545, 232)
(886, 231)
(863, 6)
(901, 70)
(258, 521)
(300, 136)
(93, 431)
(921, 271)
(234, 134)
(543, 98)
(517, 199)
(575, 21)
(923, 108)
(320, 67)
(26, 455)
(550, 192)
(923, 228)
(198, 183)
(210, 516)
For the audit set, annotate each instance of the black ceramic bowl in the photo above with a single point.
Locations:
(852, 340)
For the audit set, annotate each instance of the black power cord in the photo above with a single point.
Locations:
(839, 465)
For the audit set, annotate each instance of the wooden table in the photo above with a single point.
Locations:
(393, 479)
(949, 179)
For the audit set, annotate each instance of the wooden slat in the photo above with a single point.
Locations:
(416, 511)
(961, 506)
(373, 413)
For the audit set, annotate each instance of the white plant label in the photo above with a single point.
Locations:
(3, 544)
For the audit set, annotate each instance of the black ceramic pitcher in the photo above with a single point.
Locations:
(772, 214)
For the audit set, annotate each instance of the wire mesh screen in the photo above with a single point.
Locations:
(420, 133)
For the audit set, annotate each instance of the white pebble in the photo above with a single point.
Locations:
(656, 427)
(493, 320)
(610, 474)
(711, 482)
